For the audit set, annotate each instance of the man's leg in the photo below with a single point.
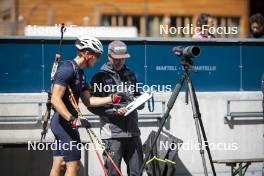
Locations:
(133, 155)
(72, 168)
(114, 148)
(72, 155)
(67, 140)
(56, 166)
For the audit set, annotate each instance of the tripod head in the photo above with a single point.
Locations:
(186, 54)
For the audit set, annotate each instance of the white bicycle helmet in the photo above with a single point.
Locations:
(91, 43)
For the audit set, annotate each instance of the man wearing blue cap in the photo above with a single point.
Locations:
(120, 133)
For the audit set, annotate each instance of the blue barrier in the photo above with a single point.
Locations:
(223, 65)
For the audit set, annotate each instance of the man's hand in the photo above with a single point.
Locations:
(117, 97)
(75, 123)
(121, 111)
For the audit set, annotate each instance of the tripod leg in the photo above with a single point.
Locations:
(204, 134)
(207, 146)
(170, 104)
(201, 145)
(196, 116)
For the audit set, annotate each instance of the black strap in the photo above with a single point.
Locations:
(76, 74)
(151, 106)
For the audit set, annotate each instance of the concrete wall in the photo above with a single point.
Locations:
(242, 137)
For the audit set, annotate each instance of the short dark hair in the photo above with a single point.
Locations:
(256, 18)
(203, 19)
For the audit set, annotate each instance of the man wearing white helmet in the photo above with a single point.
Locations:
(64, 121)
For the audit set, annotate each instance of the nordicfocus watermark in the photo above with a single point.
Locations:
(190, 29)
(127, 87)
(70, 30)
(57, 145)
(192, 145)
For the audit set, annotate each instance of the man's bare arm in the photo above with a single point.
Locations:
(90, 101)
(56, 100)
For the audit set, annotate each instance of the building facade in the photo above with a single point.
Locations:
(146, 15)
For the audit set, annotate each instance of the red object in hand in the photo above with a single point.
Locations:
(116, 99)
(74, 122)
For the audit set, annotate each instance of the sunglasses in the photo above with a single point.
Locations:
(119, 50)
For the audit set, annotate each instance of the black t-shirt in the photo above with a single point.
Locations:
(70, 74)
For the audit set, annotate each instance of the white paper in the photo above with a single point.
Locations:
(139, 101)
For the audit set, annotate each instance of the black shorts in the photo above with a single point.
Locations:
(68, 143)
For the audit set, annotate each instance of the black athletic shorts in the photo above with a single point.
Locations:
(68, 143)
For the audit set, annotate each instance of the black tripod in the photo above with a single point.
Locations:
(187, 64)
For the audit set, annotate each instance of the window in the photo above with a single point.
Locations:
(139, 21)
(6, 22)
(178, 21)
(228, 22)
